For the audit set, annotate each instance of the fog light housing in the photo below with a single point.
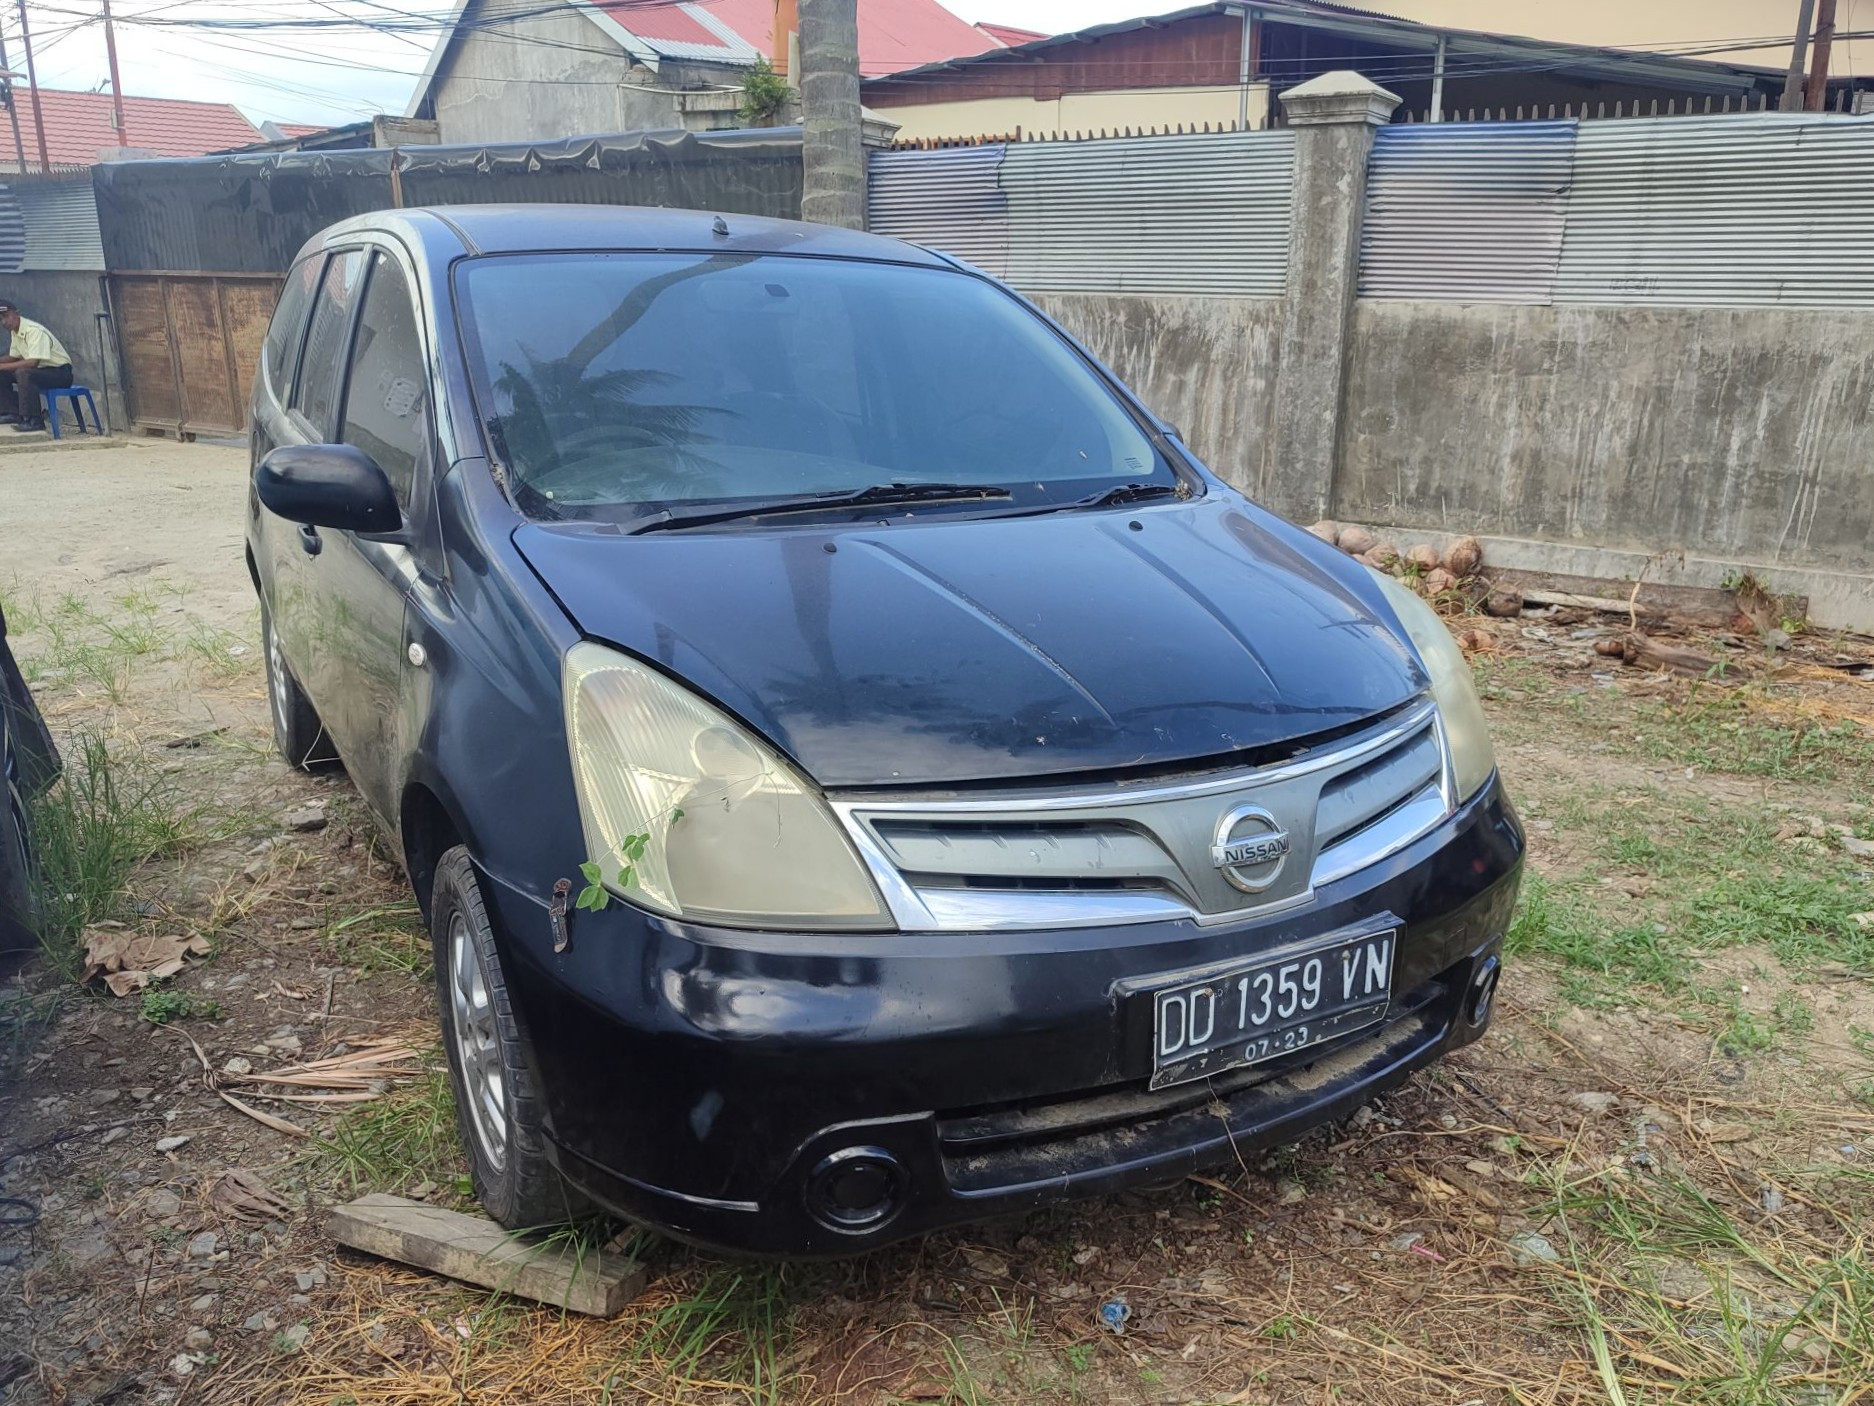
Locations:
(856, 1189)
(1483, 990)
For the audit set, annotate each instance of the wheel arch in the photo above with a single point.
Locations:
(427, 829)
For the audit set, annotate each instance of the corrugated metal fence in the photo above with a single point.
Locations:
(1199, 213)
(951, 199)
(1770, 209)
(61, 219)
(1469, 212)
(12, 231)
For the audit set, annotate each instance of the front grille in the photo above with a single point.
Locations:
(1133, 852)
(1355, 799)
(1039, 1140)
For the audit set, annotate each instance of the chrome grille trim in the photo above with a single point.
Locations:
(1117, 853)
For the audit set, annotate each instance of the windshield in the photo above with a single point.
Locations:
(616, 385)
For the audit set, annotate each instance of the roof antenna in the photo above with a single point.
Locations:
(720, 228)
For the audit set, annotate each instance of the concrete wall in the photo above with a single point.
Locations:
(68, 303)
(1205, 364)
(1741, 433)
(558, 75)
(536, 79)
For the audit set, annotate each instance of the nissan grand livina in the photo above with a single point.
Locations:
(859, 770)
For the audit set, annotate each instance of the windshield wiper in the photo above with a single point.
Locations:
(1105, 498)
(665, 520)
(1128, 493)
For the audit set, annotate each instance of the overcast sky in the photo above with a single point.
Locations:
(325, 75)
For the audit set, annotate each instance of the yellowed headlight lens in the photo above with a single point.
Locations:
(1466, 733)
(737, 836)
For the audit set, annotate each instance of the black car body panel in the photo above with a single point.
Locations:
(737, 1065)
(917, 654)
(699, 1076)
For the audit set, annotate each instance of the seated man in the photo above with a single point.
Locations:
(35, 361)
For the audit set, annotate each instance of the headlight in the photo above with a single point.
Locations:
(1466, 733)
(736, 836)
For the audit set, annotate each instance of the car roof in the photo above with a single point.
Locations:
(511, 229)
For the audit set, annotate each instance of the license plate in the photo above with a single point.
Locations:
(1263, 1009)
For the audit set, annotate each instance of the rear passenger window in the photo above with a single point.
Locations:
(387, 395)
(289, 320)
(326, 340)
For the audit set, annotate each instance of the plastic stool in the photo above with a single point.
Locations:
(80, 397)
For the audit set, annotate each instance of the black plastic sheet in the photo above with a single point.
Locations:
(250, 213)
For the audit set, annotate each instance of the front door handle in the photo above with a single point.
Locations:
(309, 539)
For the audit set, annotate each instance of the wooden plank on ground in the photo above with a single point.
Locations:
(1702, 606)
(479, 1252)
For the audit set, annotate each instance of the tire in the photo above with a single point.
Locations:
(19, 904)
(297, 731)
(498, 1107)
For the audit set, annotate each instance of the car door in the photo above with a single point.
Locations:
(384, 409)
(297, 586)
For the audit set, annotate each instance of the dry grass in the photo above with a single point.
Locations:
(1708, 1227)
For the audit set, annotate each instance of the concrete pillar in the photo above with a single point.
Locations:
(1333, 118)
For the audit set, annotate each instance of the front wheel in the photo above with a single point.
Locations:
(498, 1110)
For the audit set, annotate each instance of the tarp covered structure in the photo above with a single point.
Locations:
(250, 213)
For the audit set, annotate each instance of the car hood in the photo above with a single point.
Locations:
(941, 651)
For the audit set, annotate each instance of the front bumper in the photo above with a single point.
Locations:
(710, 1082)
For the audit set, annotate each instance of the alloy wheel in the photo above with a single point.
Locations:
(477, 1042)
(276, 680)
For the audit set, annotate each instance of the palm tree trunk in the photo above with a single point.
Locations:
(832, 156)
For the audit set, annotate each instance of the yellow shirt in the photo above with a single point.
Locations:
(33, 342)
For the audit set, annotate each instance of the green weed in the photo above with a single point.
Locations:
(161, 1005)
(105, 816)
(1720, 731)
(1776, 1322)
(733, 1327)
(405, 1137)
(385, 939)
(1557, 920)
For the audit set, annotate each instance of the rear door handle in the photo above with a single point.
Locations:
(309, 539)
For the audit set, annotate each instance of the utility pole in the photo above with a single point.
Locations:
(1799, 51)
(32, 87)
(13, 111)
(117, 84)
(1819, 55)
(832, 156)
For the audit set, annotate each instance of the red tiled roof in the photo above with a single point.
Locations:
(78, 126)
(893, 34)
(303, 129)
(1008, 34)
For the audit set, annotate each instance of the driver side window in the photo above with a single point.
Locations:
(387, 390)
(317, 396)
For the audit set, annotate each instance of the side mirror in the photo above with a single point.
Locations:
(328, 485)
(1171, 431)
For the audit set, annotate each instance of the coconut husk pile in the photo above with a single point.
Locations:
(1449, 577)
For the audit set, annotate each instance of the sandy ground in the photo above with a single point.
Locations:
(86, 519)
(1654, 1181)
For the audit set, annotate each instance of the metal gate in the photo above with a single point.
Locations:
(191, 345)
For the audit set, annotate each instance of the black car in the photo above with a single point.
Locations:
(28, 764)
(860, 771)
